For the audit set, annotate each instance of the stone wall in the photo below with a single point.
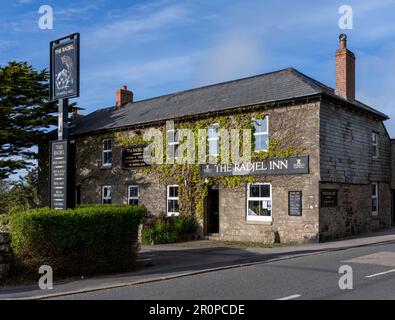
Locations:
(5, 254)
(353, 214)
(302, 122)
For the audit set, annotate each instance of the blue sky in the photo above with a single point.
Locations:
(164, 46)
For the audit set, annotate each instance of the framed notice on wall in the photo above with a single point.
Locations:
(295, 203)
(328, 198)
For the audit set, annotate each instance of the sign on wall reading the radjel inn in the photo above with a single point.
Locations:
(64, 68)
(59, 151)
(273, 166)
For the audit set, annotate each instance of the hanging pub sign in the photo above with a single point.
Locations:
(133, 157)
(65, 67)
(272, 166)
(59, 151)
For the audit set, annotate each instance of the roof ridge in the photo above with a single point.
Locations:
(312, 82)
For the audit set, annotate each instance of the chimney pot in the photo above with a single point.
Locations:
(345, 70)
(123, 96)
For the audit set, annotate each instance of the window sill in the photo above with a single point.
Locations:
(173, 214)
(106, 166)
(260, 222)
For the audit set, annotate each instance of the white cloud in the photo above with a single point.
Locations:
(126, 28)
(236, 56)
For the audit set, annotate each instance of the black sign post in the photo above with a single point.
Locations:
(64, 84)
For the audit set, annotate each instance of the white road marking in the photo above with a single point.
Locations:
(290, 297)
(380, 274)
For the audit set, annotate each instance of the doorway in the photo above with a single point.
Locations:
(212, 210)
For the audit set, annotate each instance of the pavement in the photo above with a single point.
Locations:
(207, 270)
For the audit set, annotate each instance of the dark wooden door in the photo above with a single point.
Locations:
(213, 211)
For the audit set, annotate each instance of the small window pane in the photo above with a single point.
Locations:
(254, 191)
(374, 205)
(213, 146)
(133, 192)
(173, 192)
(260, 125)
(213, 131)
(264, 191)
(374, 190)
(261, 142)
(173, 205)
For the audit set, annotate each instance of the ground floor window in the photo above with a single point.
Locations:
(375, 197)
(173, 204)
(133, 195)
(106, 194)
(259, 202)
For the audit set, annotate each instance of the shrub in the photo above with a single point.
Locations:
(4, 222)
(88, 239)
(163, 229)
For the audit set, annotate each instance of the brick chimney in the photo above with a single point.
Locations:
(345, 70)
(123, 96)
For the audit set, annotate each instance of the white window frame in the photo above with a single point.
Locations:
(134, 197)
(261, 133)
(375, 144)
(173, 143)
(259, 218)
(376, 185)
(171, 213)
(215, 138)
(106, 151)
(103, 198)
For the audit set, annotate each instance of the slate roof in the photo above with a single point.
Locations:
(276, 86)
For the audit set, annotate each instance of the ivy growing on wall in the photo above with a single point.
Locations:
(193, 188)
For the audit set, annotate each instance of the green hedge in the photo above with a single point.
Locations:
(88, 239)
(163, 229)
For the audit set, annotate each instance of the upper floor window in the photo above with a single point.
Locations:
(106, 194)
(133, 195)
(375, 198)
(173, 204)
(375, 144)
(213, 140)
(261, 134)
(107, 152)
(259, 202)
(173, 143)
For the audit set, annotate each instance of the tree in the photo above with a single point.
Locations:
(25, 114)
(20, 195)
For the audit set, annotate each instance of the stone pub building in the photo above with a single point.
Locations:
(332, 178)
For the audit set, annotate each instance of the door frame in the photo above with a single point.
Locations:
(206, 211)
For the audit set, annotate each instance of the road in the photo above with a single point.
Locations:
(309, 277)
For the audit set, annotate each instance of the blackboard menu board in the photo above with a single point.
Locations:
(59, 151)
(295, 203)
(133, 157)
(328, 198)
